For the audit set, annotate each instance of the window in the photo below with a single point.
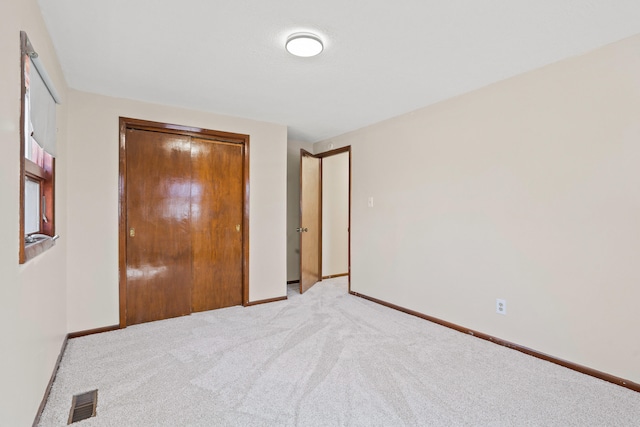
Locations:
(37, 155)
(32, 198)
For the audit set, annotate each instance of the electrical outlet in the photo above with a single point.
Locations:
(370, 202)
(501, 306)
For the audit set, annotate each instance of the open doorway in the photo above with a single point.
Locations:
(335, 215)
(324, 227)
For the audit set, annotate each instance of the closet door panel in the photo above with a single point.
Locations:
(158, 249)
(216, 223)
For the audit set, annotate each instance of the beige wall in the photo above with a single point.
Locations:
(293, 206)
(335, 214)
(527, 190)
(32, 296)
(93, 201)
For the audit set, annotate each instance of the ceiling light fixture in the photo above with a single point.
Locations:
(304, 44)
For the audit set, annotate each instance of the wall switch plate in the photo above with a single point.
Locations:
(501, 306)
(370, 202)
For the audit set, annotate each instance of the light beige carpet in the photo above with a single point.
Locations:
(324, 358)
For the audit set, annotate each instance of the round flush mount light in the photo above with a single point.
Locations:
(304, 44)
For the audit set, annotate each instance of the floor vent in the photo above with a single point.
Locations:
(83, 406)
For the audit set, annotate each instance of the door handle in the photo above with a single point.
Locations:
(302, 230)
(132, 232)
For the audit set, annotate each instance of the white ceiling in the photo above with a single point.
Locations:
(382, 58)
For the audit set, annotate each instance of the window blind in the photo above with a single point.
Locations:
(42, 106)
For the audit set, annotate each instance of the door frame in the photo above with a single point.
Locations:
(321, 156)
(234, 138)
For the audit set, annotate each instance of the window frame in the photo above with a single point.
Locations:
(44, 174)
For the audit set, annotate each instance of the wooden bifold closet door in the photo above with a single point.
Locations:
(184, 217)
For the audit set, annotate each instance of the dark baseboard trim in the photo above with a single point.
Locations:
(570, 365)
(265, 301)
(67, 337)
(47, 391)
(290, 282)
(93, 331)
(334, 276)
